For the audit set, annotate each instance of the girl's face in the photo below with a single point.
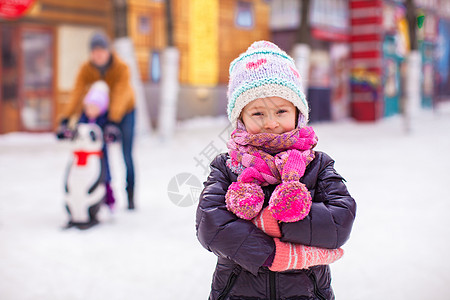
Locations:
(269, 115)
(92, 111)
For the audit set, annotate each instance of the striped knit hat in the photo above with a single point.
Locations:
(98, 95)
(264, 70)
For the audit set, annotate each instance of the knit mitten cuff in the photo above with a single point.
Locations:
(289, 256)
(267, 223)
(284, 252)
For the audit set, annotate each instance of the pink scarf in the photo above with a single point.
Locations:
(266, 158)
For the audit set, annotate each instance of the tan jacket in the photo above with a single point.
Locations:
(121, 95)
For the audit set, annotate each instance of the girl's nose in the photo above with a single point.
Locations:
(271, 124)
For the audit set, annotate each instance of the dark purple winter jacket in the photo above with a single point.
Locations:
(242, 248)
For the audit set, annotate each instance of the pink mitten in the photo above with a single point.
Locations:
(267, 223)
(289, 256)
(244, 199)
(291, 200)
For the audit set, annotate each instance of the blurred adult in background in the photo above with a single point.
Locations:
(104, 64)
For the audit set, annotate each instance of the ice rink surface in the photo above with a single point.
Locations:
(398, 248)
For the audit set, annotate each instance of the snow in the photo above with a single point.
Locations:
(397, 249)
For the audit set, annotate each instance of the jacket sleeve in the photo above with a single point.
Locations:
(333, 210)
(221, 231)
(82, 84)
(121, 95)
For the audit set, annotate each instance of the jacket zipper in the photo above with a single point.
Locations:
(230, 283)
(316, 287)
(272, 287)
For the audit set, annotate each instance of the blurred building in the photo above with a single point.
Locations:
(358, 54)
(380, 43)
(428, 38)
(357, 61)
(442, 83)
(40, 55)
(328, 79)
(356, 64)
(42, 51)
(209, 34)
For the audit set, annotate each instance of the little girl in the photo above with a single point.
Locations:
(273, 210)
(95, 110)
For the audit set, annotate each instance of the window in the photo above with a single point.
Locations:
(155, 67)
(244, 15)
(144, 25)
(37, 102)
(330, 13)
(284, 14)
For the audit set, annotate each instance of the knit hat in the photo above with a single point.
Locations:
(264, 70)
(98, 95)
(99, 40)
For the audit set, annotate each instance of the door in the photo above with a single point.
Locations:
(427, 49)
(37, 85)
(9, 88)
(391, 78)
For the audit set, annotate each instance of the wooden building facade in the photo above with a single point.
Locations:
(39, 57)
(146, 27)
(208, 33)
(42, 51)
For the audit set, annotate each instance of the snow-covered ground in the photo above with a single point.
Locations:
(398, 248)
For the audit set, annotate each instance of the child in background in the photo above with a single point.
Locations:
(95, 104)
(273, 210)
(105, 64)
(95, 110)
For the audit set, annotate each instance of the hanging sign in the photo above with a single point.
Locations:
(12, 9)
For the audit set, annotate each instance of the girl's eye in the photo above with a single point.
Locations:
(281, 111)
(257, 114)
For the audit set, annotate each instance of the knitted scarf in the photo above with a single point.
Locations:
(266, 158)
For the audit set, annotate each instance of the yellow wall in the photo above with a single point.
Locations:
(203, 63)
